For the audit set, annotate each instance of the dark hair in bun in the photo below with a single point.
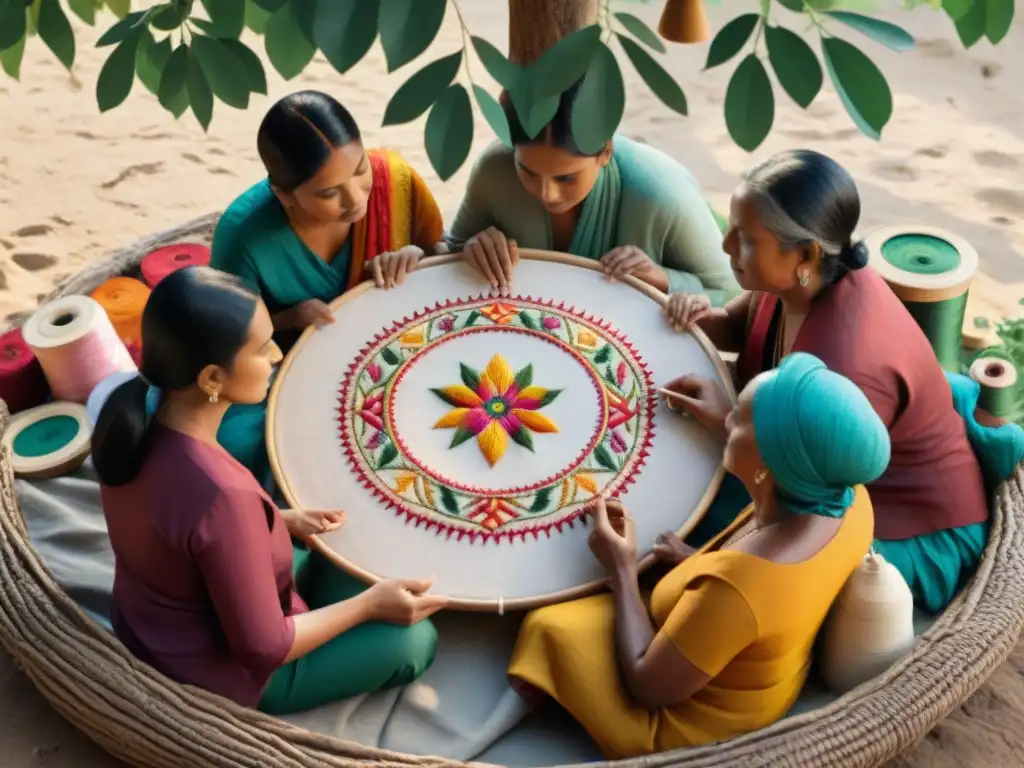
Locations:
(806, 197)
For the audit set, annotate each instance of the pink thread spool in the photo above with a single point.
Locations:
(76, 345)
(164, 261)
(22, 384)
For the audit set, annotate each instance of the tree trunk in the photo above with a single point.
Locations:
(536, 25)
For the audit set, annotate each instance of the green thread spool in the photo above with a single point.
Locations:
(998, 380)
(49, 440)
(931, 271)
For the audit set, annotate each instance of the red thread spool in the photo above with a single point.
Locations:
(22, 383)
(169, 259)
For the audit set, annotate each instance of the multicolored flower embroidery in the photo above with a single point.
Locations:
(494, 406)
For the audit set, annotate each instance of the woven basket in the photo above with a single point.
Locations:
(147, 720)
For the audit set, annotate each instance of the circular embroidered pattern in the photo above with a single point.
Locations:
(496, 419)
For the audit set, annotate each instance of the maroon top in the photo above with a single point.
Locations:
(859, 328)
(203, 585)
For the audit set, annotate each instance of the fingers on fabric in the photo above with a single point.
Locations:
(477, 256)
(321, 313)
(623, 261)
(495, 249)
(378, 271)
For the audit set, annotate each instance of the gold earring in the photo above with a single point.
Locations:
(804, 279)
(759, 476)
(213, 397)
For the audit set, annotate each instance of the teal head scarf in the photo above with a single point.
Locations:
(818, 435)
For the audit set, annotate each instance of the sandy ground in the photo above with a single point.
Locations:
(75, 183)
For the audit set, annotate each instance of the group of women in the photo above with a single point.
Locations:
(845, 434)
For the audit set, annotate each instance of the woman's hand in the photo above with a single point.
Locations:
(494, 256)
(390, 269)
(630, 260)
(303, 523)
(613, 540)
(670, 549)
(403, 601)
(701, 398)
(683, 310)
(309, 312)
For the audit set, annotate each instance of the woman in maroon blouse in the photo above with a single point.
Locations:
(808, 289)
(203, 584)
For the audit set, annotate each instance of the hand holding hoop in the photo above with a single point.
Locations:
(403, 601)
(613, 540)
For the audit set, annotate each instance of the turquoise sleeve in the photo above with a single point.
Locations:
(229, 252)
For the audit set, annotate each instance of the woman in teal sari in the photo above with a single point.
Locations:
(630, 206)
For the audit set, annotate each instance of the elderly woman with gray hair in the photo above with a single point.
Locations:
(807, 288)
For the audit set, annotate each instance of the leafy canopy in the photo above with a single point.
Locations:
(188, 53)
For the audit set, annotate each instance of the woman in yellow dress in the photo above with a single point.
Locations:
(724, 645)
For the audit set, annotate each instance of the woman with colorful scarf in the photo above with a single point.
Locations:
(723, 646)
(330, 214)
(629, 206)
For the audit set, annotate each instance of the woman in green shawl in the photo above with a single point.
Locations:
(630, 206)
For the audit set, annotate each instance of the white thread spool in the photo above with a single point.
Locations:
(76, 345)
(48, 440)
(870, 626)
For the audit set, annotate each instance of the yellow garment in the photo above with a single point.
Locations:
(747, 622)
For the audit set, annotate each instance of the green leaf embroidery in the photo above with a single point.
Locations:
(472, 318)
(604, 354)
(523, 437)
(446, 397)
(255, 17)
(422, 90)
(561, 65)
(641, 31)
(658, 80)
(469, 377)
(609, 376)
(605, 459)
(257, 76)
(127, 27)
(460, 436)
(10, 58)
(172, 92)
(389, 454)
(493, 114)
(600, 103)
(407, 28)
(527, 321)
(525, 377)
(749, 104)
(449, 131)
(200, 96)
(287, 47)
(117, 75)
(730, 39)
(861, 86)
(451, 504)
(541, 500)
(504, 72)
(882, 32)
(795, 65)
(390, 356)
(84, 9)
(225, 73)
(226, 16)
(150, 60)
(549, 397)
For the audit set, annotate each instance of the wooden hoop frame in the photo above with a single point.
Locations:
(499, 606)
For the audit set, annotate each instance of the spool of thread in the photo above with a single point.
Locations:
(76, 345)
(684, 21)
(164, 261)
(102, 391)
(124, 300)
(22, 383)
(48, 441)
(931, 271)
(870, 626)
(997, 400)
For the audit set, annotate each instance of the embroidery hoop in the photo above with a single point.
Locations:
(710, 363)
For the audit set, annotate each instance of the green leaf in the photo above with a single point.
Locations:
(172, 91)
(998, 18)
(469, 377)
(345, 31)
(600, 103)
(494, 114)
(12, 23)
(860, 84)
(527, 321)
(117, 75)
(534, 113)
(541, 500)
(524, 378)
(794, 5)
(604, 354)
(497, 65)
(795, 64)
(390, 356)
(422, 90)
(200, 95)
(227, 17)
(460, 436)
(270, 6)
(172, 16)
(287, 47)
(730, 39)
(561, 65)
(882, 32)
(257, 76)
(523, 437)
(605, 459)
(449, 131)
(957, 9)
(658, 80)
(31, 16)
(451, 504)
(84, 9)
(256, 17)
(305, 17)
(407, 28)
(971, 26)
(119, 8)
(129, 26)
(10, 59)
(471, 319)
(150, 59)
(223, 70)
(549, 397)
(641, 31)
(390, 452)
(749, 104)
